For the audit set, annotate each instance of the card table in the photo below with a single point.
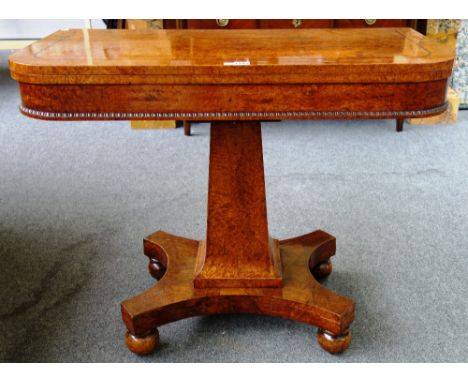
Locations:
(235, 79)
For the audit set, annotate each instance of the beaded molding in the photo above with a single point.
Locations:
(229, 114)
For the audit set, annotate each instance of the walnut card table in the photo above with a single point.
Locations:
(235, 79)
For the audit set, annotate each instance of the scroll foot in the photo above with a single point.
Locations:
(322, 269)
(142, 345)
(156, 269)
(334, 344)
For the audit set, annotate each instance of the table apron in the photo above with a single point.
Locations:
(229, 102)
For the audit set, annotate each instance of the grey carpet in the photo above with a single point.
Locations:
(76, 199)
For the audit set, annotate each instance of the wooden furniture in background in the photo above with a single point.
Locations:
(419, 25)
(195, 75)
(448, 116)
(447, 32)
(144, 25)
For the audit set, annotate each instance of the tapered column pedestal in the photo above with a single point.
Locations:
(238, 268)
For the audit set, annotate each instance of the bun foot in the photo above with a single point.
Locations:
(334, 344)
(142, 345)
(322, 270)
(156, 269)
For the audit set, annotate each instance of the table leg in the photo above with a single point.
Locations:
(238, 268)
(187, 128)
(399, 125)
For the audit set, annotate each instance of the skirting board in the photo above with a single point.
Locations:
(152, 124)
(14, 44)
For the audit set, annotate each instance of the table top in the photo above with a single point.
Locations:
(233, 56)
(211, 75)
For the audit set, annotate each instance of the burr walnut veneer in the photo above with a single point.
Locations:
(235, 79)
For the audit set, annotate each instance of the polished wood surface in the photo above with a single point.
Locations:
(371, 23)
(300, 298)
(240, 77)
(194, 56)
(220, 23)
(334, 344)
(238, 268)
(235, 102)
(418, 25)
(238, 251)
(294, 23)
(258, 23)
(283, 74)
(142, 345)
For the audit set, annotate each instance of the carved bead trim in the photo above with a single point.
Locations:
(234, 114)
